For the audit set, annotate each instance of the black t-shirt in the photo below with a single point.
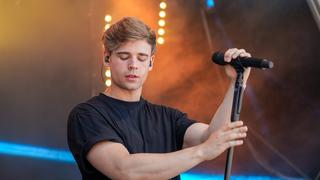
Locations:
(142, 127)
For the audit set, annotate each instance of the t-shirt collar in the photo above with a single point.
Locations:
(121, 103)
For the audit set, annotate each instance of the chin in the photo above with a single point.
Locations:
(131, 87)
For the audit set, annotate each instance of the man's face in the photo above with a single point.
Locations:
(129, 65)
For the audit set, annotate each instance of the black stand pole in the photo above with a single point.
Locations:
(235, 114)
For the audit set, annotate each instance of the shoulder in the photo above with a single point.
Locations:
(88, 105)
(80, 114)
(84, 110)
(81, 108)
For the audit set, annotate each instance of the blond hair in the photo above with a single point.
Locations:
(128, 28)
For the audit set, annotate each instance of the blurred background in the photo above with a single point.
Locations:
(51, 58)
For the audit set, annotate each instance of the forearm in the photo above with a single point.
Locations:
(223, 112)
(162, 165)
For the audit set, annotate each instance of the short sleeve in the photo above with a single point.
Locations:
(87, 127)
(182, 122)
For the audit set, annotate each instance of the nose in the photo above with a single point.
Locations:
(132, 64)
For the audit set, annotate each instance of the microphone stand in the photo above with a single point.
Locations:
(235, 113)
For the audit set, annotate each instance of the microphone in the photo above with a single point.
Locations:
(218, 58)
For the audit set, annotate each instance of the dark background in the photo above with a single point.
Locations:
(50, 58)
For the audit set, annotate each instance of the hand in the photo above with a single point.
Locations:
(227, 136)
(230, 71)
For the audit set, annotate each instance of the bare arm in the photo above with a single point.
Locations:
(199, 132)
(223, 113)
(113, 159)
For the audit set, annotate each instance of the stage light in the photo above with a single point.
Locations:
(210, 4)
(108, 73)
(163, 5)
(196, 176)
(107, 26)
(108, 82)
(161, 23)
(162, 14)
(108, 18)
(161, 31)
(160, 40)
(35, 152)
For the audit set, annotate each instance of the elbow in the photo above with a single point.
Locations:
(205, 135)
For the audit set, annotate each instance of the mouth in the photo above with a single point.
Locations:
(132, 76)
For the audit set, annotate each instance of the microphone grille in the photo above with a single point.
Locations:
(218, 58)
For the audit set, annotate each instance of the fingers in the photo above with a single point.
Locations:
(231, 134)
(237, 53)
(232, 125)
(238, 135)
(245, 54)
(234, 131)
(235, 143)
(234, 53)
(228, 54)
(241, 129)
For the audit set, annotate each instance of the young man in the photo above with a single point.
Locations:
(120, 135)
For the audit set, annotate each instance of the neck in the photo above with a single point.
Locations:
(124, 95)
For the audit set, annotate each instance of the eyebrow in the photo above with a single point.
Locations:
(127, 53)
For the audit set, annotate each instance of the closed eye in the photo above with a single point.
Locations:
(123, 56)
(142, 58)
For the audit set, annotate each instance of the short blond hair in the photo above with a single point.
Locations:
(128, 28)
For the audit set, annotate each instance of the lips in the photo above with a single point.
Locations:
(132, 76)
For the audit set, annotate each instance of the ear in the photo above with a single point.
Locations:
(106, 58)
(151, 62)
